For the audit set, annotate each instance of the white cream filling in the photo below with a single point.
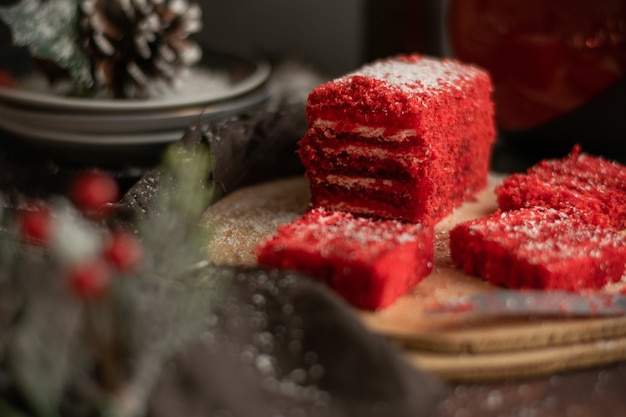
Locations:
(373, 152)
(368, 131)
(352, 182)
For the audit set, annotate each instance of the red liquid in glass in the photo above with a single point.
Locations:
(546, 57)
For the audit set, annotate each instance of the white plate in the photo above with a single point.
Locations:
(220, 76)
(131, 122)
(76, 138)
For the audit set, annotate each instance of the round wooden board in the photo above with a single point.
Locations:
(458, 346)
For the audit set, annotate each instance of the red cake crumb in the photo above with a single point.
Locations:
(586, 183)
(369, 262)
(403, 138)
(541, 248)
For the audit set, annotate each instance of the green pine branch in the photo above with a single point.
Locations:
(49, 30)
(171, 295)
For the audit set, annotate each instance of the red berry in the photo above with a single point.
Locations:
(6, 79)
(36, 225)
(123, 251)
(93, 190)
(90, 279)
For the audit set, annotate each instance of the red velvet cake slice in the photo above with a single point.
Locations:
(408, 138)
(586, 183)
(541, 248)
(369, 262)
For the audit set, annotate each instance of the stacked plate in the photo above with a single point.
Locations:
(223, 83)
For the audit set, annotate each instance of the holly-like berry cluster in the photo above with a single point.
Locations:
(93, 193)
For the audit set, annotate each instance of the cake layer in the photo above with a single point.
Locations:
(343, 156)
(369, 262)
(375, 197)
(580, 181)
(541, 248)
(395, 94)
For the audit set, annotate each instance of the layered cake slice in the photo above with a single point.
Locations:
(369, 262)
(403, 138)
(586, 183)
(539, 247)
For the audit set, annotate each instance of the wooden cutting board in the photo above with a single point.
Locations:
(461, 346)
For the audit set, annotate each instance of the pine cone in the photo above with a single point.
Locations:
(135, 44)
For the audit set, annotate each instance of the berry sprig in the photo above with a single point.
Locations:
(91, 255)
(84, 288)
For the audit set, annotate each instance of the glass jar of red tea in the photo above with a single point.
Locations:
(558, 67)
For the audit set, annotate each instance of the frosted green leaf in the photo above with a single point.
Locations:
(40, 352)
(49, 30)
(8, 245)
(173, 310)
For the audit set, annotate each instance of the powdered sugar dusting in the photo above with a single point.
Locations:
(418, 74)
(544, 235)
(250, 215)
(540, 248)
(585, 182)
(326, 226)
